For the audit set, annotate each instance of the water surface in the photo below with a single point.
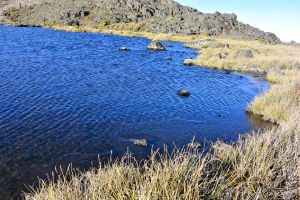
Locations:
(69, 97)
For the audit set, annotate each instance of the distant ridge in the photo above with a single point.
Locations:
(157, 16)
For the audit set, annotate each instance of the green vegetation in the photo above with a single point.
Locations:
(76, 26)
(261, 40)
(206, 34)
(105, 22)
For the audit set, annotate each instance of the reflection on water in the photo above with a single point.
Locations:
(69, 97)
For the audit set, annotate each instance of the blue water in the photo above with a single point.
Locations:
(69, 97)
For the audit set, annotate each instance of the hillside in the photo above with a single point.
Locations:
(165, 16)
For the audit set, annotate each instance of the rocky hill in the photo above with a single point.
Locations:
(158, 16)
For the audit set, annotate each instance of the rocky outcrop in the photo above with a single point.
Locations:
(163, 16)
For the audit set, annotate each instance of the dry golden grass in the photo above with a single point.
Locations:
(279, 103)
(262, 165)
(129, 30)
(278, 61)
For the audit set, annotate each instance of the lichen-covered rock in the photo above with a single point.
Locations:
(139, 142)
(203, 44)
(188, 61)
(163, 16)
(156, 45)
(244, 53)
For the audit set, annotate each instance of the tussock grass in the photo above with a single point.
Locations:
(279, 103)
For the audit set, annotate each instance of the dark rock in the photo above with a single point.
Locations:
(244, 53)
(155, 45)
(183, 93)
(139, 142)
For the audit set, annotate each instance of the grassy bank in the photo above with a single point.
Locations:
(259, 166)
(262, 165)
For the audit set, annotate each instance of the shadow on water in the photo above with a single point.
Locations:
(73, 97)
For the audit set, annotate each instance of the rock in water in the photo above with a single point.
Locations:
(188, 61)
(155, 45)
(183, 93)
(124, 49)
(139, 142)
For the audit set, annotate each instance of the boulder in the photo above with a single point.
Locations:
(156, 45)
(183, 93)
(139, 142)
(244, 53)
(188, 61)
(203, 44)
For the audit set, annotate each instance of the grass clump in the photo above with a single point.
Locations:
(105, 22)
(279, 103)
(206, 34)
(261, 40)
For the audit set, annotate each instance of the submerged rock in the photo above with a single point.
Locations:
(139, 142)
(124, 49)
(183, 93)
(155, 45)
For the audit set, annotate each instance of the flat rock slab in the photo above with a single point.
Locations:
(139, 142)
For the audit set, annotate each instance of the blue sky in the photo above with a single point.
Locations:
(281, 17)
